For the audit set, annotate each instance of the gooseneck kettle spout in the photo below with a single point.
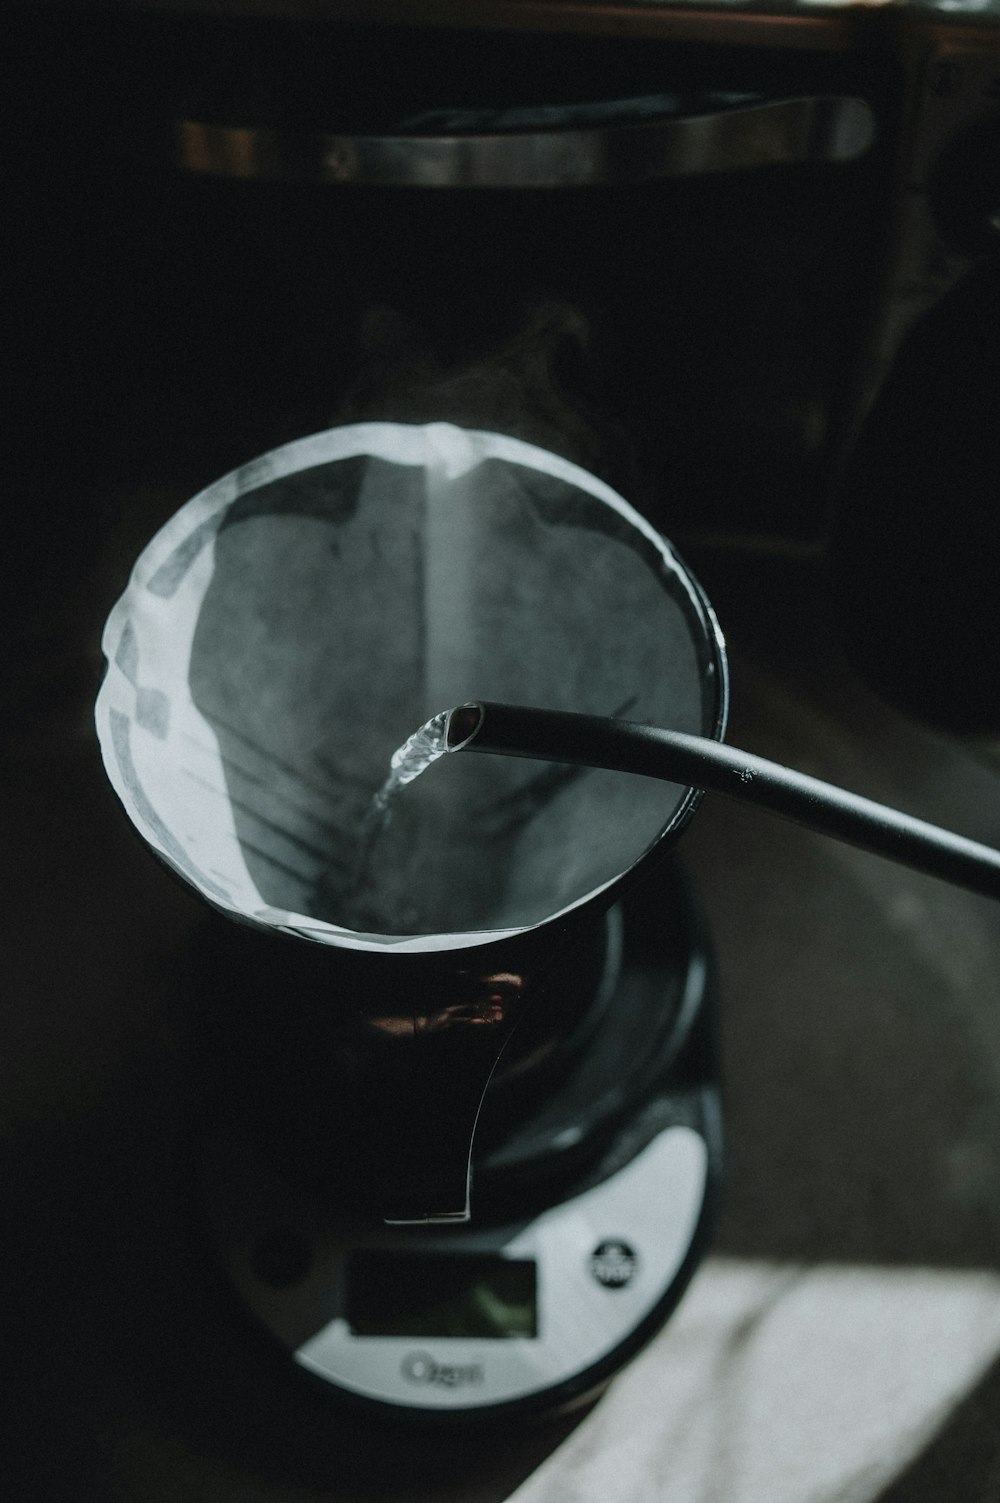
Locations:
(624, 746)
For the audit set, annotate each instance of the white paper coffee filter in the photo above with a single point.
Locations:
(290, 626)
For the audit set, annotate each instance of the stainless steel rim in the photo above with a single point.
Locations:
(825, 128)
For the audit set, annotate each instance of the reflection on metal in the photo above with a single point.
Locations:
(463, 1014)
(489, 1006)
(827, 128)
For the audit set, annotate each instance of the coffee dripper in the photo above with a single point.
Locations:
(282, 634)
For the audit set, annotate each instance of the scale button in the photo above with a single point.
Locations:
(613, 1264)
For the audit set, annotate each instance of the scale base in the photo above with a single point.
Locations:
(590, 1213)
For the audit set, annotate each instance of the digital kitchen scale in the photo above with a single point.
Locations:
(591, 1210)
(498, 970)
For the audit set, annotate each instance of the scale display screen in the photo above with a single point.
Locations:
(440, 1294)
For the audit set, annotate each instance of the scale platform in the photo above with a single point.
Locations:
(590, 1213)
